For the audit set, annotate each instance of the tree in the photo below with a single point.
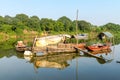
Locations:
(22, 18)
(47, 24)
(6, 28)
(67, 23)
(8, 20)
(1, 20)
(59, 26)
(84, 26)
(34, 23)
(111, 27)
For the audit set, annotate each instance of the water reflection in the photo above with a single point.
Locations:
(60, 64)
(58, 60)
(69, 66)
(102, 57)
(7, 53)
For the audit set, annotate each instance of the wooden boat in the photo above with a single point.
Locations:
(48, 40)
(21, 46)
(98, 47)
(81, 45)
(107, 51)
(80, 36)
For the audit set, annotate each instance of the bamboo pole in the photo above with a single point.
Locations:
(34, 43)
(88, 53)
(77, 27)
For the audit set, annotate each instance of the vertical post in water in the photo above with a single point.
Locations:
(77, 27)
(77, 45)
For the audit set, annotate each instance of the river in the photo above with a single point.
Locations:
(70, 66)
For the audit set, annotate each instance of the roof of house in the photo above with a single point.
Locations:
(108, 34)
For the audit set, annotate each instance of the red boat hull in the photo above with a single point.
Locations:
(98, 48)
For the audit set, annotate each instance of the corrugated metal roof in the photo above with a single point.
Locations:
(108, 34)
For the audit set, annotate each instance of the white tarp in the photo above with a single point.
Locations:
(44, 41)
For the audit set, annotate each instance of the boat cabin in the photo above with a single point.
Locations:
(105, 35)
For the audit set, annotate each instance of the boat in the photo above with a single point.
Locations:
(81, 45)
(81, 36)
(21, 49)
(98, 47)
(49, 40)
(107, 51)
(21, 46)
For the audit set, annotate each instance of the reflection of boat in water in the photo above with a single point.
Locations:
(58, 61)
(102, 57)
(103, 61)
(106, 56)
(47, 64)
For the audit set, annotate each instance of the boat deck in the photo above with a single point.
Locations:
(56, 48)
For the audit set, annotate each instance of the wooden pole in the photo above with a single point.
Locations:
(77, 44)
(34, 43)
(77, 27)
(88, 53)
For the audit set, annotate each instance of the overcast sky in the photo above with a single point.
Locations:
(97, 12)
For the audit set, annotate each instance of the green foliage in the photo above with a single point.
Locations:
(7, 20)
(8, 44)
(16, 25)
(117, 38)
(22, 18)
(84, 26)
(6, 28)
(1, 20)
(34, 22)
(67, 23)
(19, 31)
(111, 27)
(47, 24)
(59, 26)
